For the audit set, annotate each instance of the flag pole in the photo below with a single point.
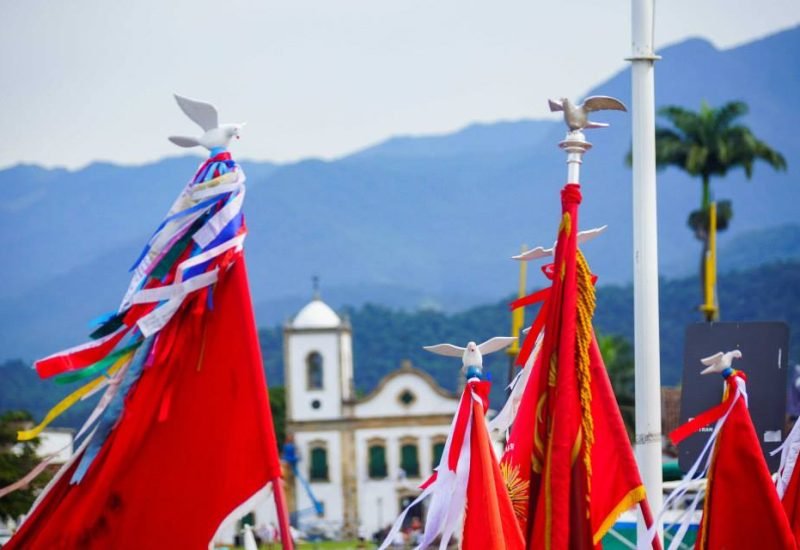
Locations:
(575, 145)
(517, 321)
(645, 256)
(283, 514)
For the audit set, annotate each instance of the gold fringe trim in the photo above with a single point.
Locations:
(585, 310)
(635, 495)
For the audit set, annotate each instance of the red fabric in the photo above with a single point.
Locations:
(489, 523)
(700, 421)
(459, 431)
(194, 441)
(791, 503)
(560, 502)
(742, 509)
(615, 477)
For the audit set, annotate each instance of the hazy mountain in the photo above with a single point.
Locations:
(384, 336)
(414, 221)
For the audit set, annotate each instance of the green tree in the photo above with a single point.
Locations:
(617, 353)
(277, 405)
(16, 460)
(709, 143)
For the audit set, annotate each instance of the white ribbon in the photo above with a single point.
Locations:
(174, 295)
(236, 243)
(206, 234)
(789, 450)
(88, 345)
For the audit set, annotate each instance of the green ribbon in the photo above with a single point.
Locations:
(95, 368)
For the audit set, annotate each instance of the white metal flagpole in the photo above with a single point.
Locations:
(645, 257)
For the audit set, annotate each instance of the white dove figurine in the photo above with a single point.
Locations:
(541, 252)
(472, 355)
(719, 362)
(577, 116)
(216, 136)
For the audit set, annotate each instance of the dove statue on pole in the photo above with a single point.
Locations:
(720, 362)
(577, 119)
(577, 116)
(216, 137)
(472, 355)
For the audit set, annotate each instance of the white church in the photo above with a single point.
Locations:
(361, 459)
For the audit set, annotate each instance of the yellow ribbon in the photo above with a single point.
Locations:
(71, 399)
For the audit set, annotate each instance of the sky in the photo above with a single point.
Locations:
(90, 80)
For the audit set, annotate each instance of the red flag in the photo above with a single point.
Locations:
(742, 508)
(568, 465)
(194, 441)
(489, 522)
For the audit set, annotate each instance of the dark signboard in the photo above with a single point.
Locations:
(764, 347)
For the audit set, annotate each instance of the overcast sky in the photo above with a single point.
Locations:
(86, 80)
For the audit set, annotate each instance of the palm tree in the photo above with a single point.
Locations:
(709, 143)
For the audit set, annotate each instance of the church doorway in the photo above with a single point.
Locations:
(415, 518)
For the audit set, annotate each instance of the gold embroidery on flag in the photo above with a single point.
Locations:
(517, 489)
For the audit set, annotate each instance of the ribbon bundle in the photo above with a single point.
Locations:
(200, 237)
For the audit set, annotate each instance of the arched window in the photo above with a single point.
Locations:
(376, 450)
(314, 371)
(409, 457)
(318, 462)
(437, 450)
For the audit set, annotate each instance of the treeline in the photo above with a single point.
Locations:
(383, 337)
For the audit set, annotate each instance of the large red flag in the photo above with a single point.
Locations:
(196, 440)
(742, 508)
(568, 465)
(183, 433)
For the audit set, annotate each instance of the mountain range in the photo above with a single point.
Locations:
(413, 222)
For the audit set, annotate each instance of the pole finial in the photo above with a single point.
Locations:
(576, 118)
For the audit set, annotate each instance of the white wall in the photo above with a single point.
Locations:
(378, 500)
(300, 345)
(387, 404)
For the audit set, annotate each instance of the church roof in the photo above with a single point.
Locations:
(315, 315)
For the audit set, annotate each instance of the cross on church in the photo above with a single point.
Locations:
(315, 285)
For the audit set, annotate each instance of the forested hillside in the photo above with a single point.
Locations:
(383, 337)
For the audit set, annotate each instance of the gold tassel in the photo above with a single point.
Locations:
(585, 311)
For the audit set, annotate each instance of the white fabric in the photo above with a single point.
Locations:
(789, 450)
(505, 418)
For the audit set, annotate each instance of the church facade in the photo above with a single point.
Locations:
(361, 460)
